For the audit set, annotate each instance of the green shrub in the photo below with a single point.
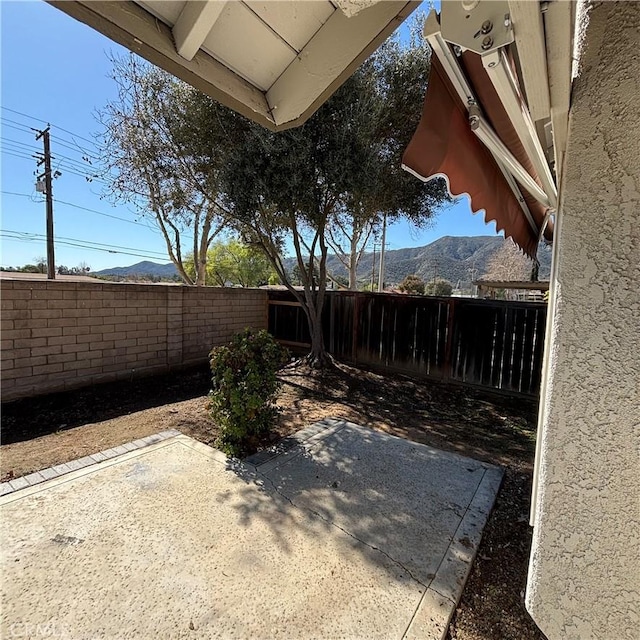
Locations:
(244, 389)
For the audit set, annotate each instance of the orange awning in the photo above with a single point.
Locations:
(444, 145)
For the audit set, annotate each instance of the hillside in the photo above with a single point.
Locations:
(452, 258)
(142, 269)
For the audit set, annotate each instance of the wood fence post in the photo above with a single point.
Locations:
(355, 329)
(448, 359)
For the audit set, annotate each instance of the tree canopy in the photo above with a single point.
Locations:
(231, 262)
(145, 164)
(438, 287)
(413, 285)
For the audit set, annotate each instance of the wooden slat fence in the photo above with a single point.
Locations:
(487, 343)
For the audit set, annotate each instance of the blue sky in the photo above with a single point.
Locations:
(54, 69)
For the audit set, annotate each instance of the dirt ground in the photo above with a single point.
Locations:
(41, 432)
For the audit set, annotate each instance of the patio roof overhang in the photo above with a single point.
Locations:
(273, 62)
(496, 112)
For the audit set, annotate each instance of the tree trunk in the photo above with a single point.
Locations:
(353, 263)
(317, 356)
(201, 271)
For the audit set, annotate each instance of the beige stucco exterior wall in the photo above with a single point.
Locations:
(584, 578)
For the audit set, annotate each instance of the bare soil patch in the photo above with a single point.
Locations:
(41, 432)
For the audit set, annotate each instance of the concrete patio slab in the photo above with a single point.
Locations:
(345, 532)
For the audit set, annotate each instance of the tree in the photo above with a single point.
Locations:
(145, 164)
(41, 264)
(288, 185)
(392, 82)
(233, 262)
(413, 285)
(82, 269)
(438, 287)
(302, 187)
(508, 263)
(31, 268)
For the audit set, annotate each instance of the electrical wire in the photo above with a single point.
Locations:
(23, 146)
(19, 155)
(24, 115)
(84, 244)
(67, 244)
(77, 206)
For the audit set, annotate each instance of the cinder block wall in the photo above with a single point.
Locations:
(62, 335)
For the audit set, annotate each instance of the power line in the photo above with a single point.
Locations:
(19, 142)
(19, 155)
(88, 155)
(12, 124)
(84, 244)
(17, 146)
(67, 144)
(68, 168)
(74, 146)
(77, 206)
(68, 244)
(24, 115)
(107, 215)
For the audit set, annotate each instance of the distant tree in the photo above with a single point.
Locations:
(438, 287)
(233, 262)
(339, 282)
(41, 263)
(413, 285)
(508, 263)
(32, 268)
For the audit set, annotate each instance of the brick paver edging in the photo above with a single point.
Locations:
(66, 467)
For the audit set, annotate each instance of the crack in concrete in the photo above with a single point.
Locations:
(337, 526)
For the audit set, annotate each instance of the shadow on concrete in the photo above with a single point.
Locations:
(397, 500)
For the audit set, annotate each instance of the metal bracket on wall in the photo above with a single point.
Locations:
(477, 26)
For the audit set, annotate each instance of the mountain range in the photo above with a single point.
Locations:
(142, 269)
(457, 259)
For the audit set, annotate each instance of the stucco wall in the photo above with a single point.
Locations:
(584, 579)
(60, 335)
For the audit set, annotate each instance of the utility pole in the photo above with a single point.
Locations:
(48, 180)
(373, 268)
(382, 248)
(474, 287)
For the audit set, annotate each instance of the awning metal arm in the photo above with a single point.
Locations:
(490, 140)
(504, 82)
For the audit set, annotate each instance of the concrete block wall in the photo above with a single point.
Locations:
(63, 335)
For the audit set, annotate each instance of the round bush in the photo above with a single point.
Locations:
(245, 387)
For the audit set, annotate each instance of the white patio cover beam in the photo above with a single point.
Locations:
(194, 24)
(559, 22)
(331, 56)
(528, 30)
